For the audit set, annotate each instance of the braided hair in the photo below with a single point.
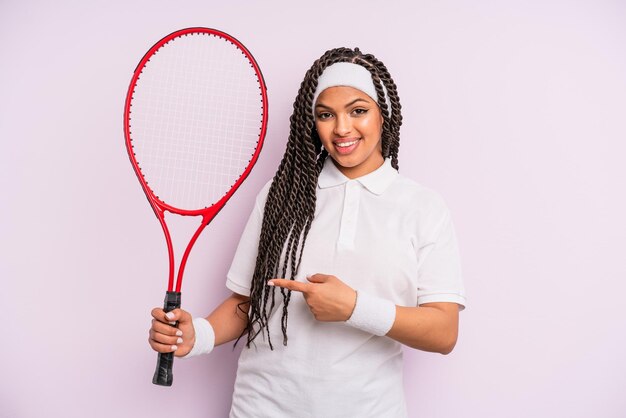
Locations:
(290, 204)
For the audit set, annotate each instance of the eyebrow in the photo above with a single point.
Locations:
(348, 105)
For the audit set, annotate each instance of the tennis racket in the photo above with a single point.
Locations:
(194, 120)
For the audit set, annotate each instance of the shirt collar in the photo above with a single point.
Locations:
(376, 182)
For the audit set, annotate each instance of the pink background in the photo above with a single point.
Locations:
(514, 111)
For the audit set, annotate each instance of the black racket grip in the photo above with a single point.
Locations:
(163, 373)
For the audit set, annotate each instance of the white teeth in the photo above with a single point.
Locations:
(346, 144)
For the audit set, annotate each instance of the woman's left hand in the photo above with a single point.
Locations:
(329, 298)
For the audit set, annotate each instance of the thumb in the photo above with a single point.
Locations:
(317, 278)
(178, 315)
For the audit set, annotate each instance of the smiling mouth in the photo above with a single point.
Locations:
(345, 142)
(346, 146)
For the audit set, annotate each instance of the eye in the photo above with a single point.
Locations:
(323, 115)
(360, 111)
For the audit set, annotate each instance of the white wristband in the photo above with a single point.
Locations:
(372, 314)
(205, 338)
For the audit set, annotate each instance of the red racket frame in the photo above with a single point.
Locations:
(159, 206)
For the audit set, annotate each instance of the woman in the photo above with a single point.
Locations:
(361, 260)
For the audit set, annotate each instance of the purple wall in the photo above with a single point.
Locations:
(514, 112)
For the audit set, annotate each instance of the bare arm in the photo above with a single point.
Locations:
(230, 318)
(430, 327)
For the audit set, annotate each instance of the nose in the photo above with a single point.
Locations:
(343, 125)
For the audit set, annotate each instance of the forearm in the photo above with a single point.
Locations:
(229, 319)
(426, 328)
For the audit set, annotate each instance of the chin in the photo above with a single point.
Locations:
(346, 161)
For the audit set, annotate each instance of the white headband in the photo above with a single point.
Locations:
(351, 75)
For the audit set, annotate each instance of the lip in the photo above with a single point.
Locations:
(346, 150)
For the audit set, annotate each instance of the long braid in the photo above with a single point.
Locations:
(396, 112)
(290, 206)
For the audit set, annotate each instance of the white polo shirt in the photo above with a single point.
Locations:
(383, 234)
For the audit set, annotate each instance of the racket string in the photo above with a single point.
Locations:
(199, 121)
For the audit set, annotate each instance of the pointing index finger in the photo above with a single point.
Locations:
(289, 284)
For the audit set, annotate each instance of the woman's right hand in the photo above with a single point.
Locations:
(165, 338)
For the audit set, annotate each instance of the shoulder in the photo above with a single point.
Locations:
(417, 197)
(424, 208)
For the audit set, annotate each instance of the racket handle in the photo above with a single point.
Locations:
(163, 373)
